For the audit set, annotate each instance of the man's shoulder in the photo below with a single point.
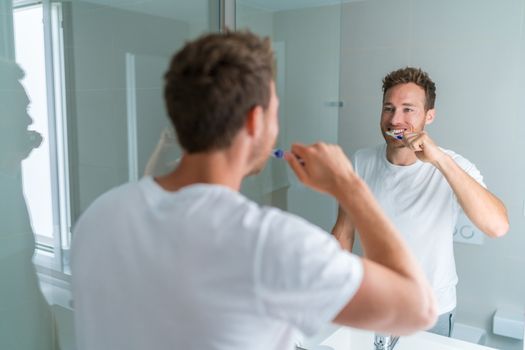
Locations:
(450, 152)
(284, 226)
(120, 193)
(113, 199)
(458, 158)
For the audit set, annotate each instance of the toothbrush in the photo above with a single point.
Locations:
(394, 135)
(279, 153)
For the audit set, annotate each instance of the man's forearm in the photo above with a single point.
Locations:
(484, 209)
(345, 239)
(344, 230)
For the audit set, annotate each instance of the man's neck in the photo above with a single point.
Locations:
(401, 156)
(216, 168)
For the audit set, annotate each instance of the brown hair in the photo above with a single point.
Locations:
(412, 75)
(212, 83)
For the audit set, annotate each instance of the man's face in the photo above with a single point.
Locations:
(404, 111)
(268, 137)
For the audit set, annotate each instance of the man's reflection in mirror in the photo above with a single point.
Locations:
(25, 318)
(423, 187)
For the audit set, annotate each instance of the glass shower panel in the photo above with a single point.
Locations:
(120, 51)
(306, 40)
(89, 99)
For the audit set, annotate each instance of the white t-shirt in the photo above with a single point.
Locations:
(202, 268)
(423, 207)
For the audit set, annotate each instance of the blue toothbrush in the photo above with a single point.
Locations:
(279, 153)
(394, 135)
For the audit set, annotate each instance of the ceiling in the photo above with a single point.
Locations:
(186, 10)
(284, 5)
(197, 10)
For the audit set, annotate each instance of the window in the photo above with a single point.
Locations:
(39, 51)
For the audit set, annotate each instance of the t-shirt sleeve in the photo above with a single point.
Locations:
(469, 168)
(302, 275)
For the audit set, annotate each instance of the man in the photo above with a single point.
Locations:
(423, 187)
(184, 261)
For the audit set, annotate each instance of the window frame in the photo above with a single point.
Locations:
(53, 255)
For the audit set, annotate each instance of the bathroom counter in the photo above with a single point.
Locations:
(345, 338)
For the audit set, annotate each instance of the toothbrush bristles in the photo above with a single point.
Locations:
(394, 135)
(278, 153)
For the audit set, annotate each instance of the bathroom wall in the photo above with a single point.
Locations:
(310, 112)
(307, 44)
(475, 53)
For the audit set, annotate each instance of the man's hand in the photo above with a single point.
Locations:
(423, 146)
(167, 145)
(167, 137)
(321, 166)
(344, 230)
(483, 208)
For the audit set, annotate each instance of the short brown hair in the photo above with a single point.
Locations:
(412, 75)
(212, 83)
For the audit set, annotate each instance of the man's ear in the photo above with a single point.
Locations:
(430, 115)
(254, 121)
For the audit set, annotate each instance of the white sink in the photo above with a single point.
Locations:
(345, 338)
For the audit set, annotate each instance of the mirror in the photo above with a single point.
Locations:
(93, 77)
(336, 54)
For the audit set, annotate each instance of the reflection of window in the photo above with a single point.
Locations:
(39, 51)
